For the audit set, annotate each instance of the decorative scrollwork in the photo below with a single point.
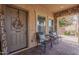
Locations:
(17, 24)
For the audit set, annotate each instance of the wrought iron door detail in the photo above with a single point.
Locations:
(17, 25)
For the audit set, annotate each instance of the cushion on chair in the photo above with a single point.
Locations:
(42, 38)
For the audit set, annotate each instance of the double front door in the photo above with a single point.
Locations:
(16, 28)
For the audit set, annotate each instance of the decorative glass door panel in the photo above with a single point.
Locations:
(41, 24)
(50, 25)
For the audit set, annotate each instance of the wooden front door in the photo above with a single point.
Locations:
(16, 28)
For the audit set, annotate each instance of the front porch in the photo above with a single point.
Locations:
(20, 23)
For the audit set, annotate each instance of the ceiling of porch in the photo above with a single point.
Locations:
(51, 7)
(58, 7)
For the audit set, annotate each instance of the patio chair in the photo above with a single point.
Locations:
(54, 37)
(40, 38)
